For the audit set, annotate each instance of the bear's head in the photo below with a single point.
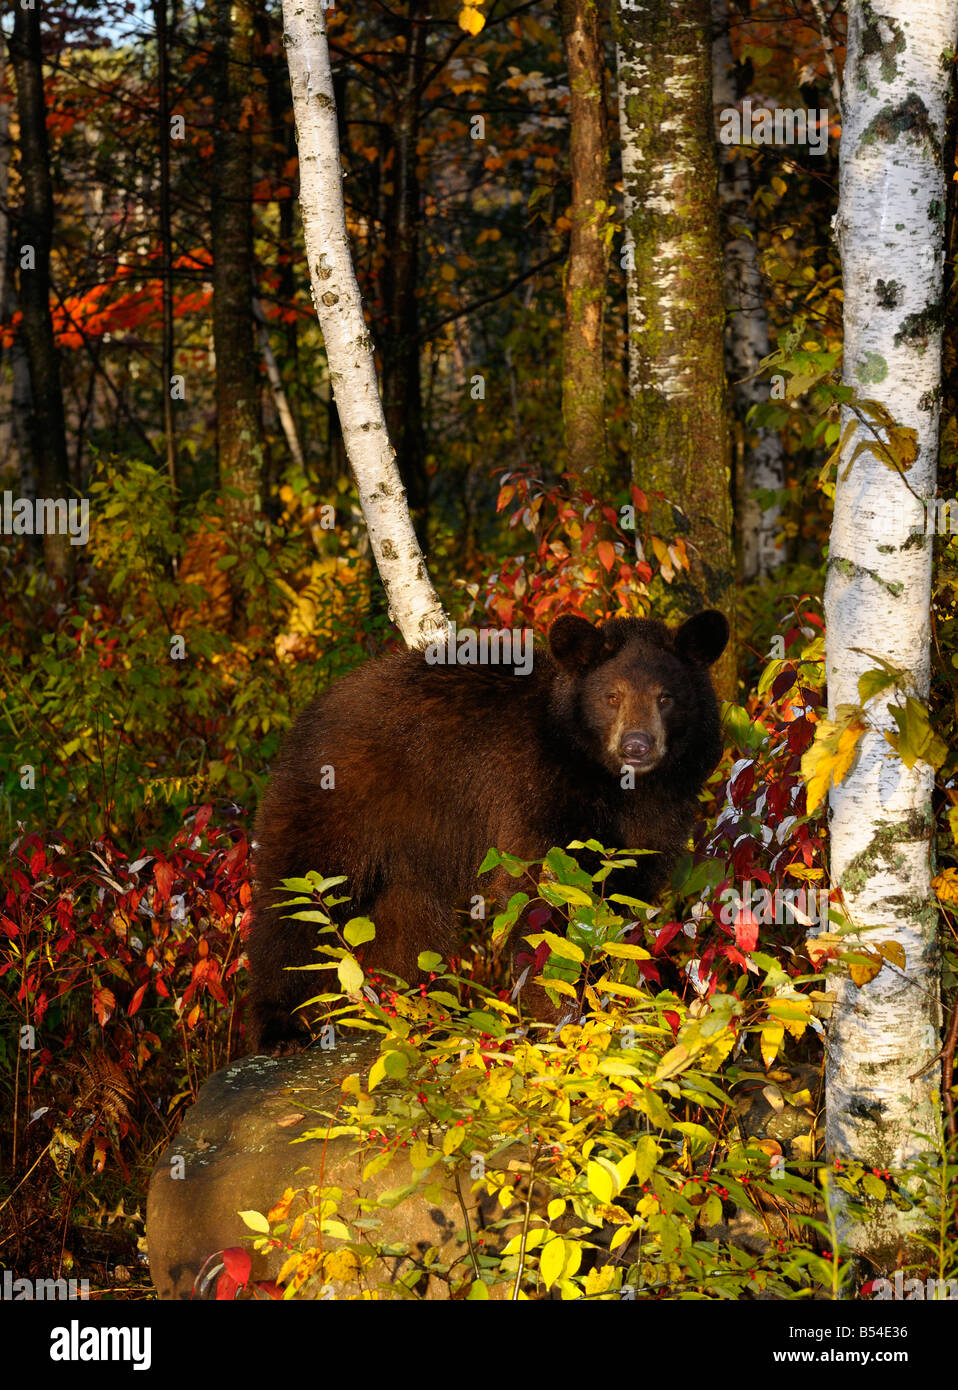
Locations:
(634, 693)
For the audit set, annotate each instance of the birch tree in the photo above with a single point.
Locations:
(673, 264)
(413, 604)
(746, 337)
(882, 1072)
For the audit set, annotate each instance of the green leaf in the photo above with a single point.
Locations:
(559, 894)
(358, 930)
(871, 683)
(647, 1155)
(915, 739)
(429, 960)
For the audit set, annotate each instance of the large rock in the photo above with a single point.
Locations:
(234, 1153)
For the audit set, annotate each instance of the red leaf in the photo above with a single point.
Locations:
(742, 784)
(606, 554)
(668, 932)
(800, 734)
(163, 875)
(137, 999)
(270, 1289)
(746, 930)
(104, 1002)
(782, 682)
(237, 1263)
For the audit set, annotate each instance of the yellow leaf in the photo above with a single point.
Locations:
(552, 1261)
(472, 20)
(600, 1280)
(288, 1267)
(831, 754)
(560, 986)
(350, 974)
(945, 884)
(863, 965)
(453, 1139)
(256, 1221)
(772, 1035)
(894, 951)
(674, 1061)
(602, 1180)
(341, 1265)
(419, 1155)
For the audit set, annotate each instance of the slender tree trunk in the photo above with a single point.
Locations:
(413, 604)
(269, 31)
(676, 313)
(746, 334)
(47, 427)
(882, 1078)
(166, 235)
(276, 386)
(583, 371)
(238, 427)
(4, 187)
(402, 377)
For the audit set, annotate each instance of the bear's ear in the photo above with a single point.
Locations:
(575, 643)
(703, 638)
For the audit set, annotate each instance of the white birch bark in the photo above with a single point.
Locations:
(413, 604)
(881, 1088)
(746, 336)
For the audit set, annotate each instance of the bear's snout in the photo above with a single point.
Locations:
(639, 748)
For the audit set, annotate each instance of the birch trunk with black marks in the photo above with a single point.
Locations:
(882, 1075)
(746, 333)
(413, 604)
(673, 264)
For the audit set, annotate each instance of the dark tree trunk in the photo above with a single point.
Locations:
(166, 235)
(583, 374)
(238, 426)
(402, 386)
(46, 427)
(675, 288)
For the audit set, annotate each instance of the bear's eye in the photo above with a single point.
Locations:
(665, 699)
(614, 700)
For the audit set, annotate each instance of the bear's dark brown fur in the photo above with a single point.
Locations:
(435, 764)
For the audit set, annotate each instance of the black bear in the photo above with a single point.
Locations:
(404, 773)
